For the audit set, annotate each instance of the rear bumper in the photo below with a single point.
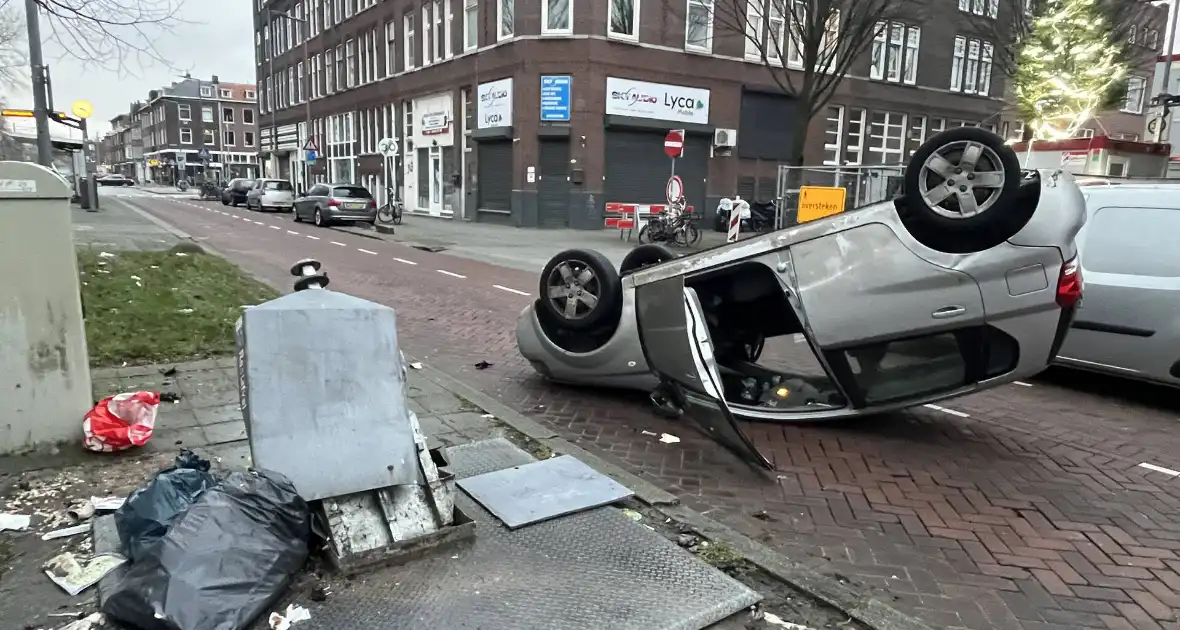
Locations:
(364, 216)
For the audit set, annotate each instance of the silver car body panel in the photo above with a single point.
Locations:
(1129, 321)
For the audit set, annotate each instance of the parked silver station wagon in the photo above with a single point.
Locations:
(325, 204)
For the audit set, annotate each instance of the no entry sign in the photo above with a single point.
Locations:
(674, 143)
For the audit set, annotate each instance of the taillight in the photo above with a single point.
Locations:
(1069, 284)
(372, 203)
(333, 203)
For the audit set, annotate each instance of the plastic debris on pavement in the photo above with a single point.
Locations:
(293, 615)
(66, 532)
(91, 622)
(668, 438)
(14, 522)
(121, 421)
(75, 576)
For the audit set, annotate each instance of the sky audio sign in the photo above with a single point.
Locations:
(495, 104)
(657, 101)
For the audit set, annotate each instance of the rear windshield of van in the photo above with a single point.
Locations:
(351, 192)
(277, 186)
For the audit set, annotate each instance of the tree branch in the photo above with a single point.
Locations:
(114, 34)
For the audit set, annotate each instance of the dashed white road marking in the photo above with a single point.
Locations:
(503, 288)
(449, 273)
(365, 251)
(274, 227)
(338, 243)
(258, 223)
(314, 238)
(293, 232)
(403, 260)
(950, 411)
(1022, 383)
(1166, 471)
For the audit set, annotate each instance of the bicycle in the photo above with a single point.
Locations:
(392, 210)
(680, 230)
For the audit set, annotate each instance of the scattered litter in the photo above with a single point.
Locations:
(416, 365)
(292, 616)
(763, 515)
(181, 254)
(488, 416)
(74, 576)
(121, 421)
(155, 266)
(184, 311)
(14, 522)
(135, 277)
(67, 532)
(668, 438)
(107, 504)
(106, 255)
(169, 397)
(81, 511)
(168, 371)
(646, 432)
(149, 512)
(483, 365)
(320, 592)
(774, 619)
(633, 515)
(97, 620)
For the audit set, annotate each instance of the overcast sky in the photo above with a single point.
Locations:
(214, 38)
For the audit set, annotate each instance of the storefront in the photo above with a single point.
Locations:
(638, 116)
(494, 151)
(430, 162)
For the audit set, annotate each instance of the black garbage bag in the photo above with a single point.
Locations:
(223, 562)
(149, 511)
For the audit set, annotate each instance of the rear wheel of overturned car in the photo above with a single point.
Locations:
(580, 289)
(643, 256)
(962, 192)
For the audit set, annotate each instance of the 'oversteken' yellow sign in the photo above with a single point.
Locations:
(817, 202)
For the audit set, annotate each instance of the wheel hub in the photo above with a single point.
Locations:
(961, 179)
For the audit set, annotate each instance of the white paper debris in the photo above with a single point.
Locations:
(646, 432)
(416, 365)
(97, 620)
(107, 504)
(105, 255)
(774, 619)
(185, 311)
(632, 514)
(14, 522)
(668, 438)
(74, 576)
(292, 616)
(488, 416)
(69, 531)
(181, 254)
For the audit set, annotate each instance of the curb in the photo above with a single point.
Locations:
(867, 610)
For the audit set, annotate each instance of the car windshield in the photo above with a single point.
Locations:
(351, 192)
(244, 183)
(277, 185)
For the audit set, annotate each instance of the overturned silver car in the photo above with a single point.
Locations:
(966, 281)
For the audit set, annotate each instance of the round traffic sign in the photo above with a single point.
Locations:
(674, 143)
(387, 147)
(674, 190)
(83, 109)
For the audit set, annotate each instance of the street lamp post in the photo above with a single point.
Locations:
(304, 80)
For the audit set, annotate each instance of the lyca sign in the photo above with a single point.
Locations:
(657, 101)
(494, 108)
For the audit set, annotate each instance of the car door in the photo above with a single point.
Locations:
(678, 347)
(890, 326)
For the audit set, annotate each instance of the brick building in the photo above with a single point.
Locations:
(538, 112)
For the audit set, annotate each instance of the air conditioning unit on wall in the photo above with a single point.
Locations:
(725, 138)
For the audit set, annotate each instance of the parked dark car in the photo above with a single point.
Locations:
(235, 192)
(330, 203)
(115, 179)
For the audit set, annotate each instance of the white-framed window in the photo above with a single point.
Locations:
(248, 139)
(1153, 39)
(623, 21)
(440, 30)
(427, 35)
(300, 94)
(207, 113)
(887, 138)
(251, 95)
(505, 18)
(834, 135)
(408, 40)
(227, 138)
(448, 35)
(776, 32)
(1084, 133)
(184, 112)
(896, 49)
(209, 137)
(698, 31)
(186, 135)
(470, 24)
(1132, 33)
(226, 93)
(990, 8)
(971, 66)
(854, 142)
(206, 90)
(917, 132)
(329, 71)
(390, 48)
(754, 34)
(350, 62)
(555, 17)
(1133, 102)
(227, 114)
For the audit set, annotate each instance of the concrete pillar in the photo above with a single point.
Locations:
(45, 383)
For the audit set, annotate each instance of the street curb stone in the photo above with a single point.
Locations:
(867, 610)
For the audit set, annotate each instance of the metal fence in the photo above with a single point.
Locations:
(865, 185)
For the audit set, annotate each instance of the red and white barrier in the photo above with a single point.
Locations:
(632, 216)
(735, 225)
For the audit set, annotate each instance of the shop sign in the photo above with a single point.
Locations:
(495, 104)
(435, 123)
(657, 101)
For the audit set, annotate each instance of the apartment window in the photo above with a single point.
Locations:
(1133, 103)
(427, 35)
(206, 90)
(470, 24)
(184, 112)
(990, 8)
(555, 16)
(506, 18)
(753, 28)
(895, 53)
(971, 68)
(329, 72)
(209, 137)
(698, 31)
(350, 54)
(228, 138)
(207, 113)
(854, 143)
(887, 138)
(227, 114)
(390, 48)
(248, 139)
(408, 24)
(251, 95)
(300, 95)
(834, 135)
(248, 116)
(442, 31)
(186, 136)
(227, 93)
(1153, 39)
(1084, 133)
(341, 70)
(917, 132)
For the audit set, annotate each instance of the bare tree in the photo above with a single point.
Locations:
(806, 46)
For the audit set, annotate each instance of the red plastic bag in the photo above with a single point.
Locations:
(121, 421)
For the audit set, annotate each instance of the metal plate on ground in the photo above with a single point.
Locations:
(596, 569)
(542, 490)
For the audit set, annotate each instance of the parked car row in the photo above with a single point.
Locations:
(115, 179)
(322, 205)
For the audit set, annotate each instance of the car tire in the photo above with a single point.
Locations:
(318, 219)
(566, 271)
(224, 202)
(930, 206)
(295, 217)
(643, 256)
